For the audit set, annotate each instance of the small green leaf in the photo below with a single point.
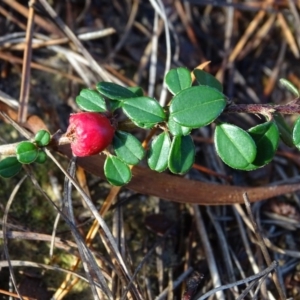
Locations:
(204, 78)
(114, 104)
(289, 86)
(116, 171)
(197, 106)
(178, 79)
(159, 152)
(114, 91)
(138, 91)
(9, 167)
(143, 110)
(42, 138)
(90, 100)
(41, 158)
(177, 129)
(266, 138)
(144, 125)
(128, 148)
(235, 146)
(182, 154)
(285, 130)
(27, 152)
(296, 134)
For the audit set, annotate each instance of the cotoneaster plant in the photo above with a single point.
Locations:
(193, 105)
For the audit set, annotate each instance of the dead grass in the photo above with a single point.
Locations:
(161, 249)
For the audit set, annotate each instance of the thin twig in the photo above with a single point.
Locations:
(127, 30)
(212, 265)
(25, 84)
(176, 283)
(23, 263)
(5, 242)
(263, 247)
(40, 21)
(153, 56)
(105, 76)
(223, 244)
(160, 9)
(88, 261)
(268, 270)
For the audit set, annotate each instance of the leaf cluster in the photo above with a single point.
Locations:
(27, 152)
(193, 105)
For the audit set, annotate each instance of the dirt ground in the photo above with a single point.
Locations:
(162, 248)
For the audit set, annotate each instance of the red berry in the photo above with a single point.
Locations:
(89, 132)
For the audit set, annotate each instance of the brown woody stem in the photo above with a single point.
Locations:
(264, 109)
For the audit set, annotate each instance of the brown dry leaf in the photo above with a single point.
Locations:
(183, 190)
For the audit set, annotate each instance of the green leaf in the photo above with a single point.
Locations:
(116, 171)
(289, 86)
(27, 152)
(235, 146)
(266, 138)
(42, 138)
(114, 104)
(128, 148)
(9, 167)
(178, 79)
(114, 91)
(197, 106)
(41, 158)
(204, 78)
(138, 91)
(144, 125)
(182, 154)
(159, 152)
(142, 110)
(177, 129)
(285, 130)
(296, 134)
(90, 100)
